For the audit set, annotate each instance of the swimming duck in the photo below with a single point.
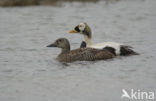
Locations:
(115, 48)
(80, 54)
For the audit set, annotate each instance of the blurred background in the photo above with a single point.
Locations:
(29, 71)
(38, 2)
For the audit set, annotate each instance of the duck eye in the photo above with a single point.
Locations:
(60, 40)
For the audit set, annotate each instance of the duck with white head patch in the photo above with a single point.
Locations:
(115, 48)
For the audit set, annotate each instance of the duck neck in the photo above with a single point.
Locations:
(65, 50)
(88, 40)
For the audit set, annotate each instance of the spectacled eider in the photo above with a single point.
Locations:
(115, 48)
(80, 54)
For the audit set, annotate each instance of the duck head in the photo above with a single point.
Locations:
(62, 43)
(83, 29)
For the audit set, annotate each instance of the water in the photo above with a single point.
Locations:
(29, 71)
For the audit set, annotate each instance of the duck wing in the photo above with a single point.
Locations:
(89, 54)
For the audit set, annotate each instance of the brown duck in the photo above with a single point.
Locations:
(80, 54)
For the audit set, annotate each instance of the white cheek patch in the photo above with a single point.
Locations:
(82, 26)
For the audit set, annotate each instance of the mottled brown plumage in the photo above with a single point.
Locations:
(80, 54)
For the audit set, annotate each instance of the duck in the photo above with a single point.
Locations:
(114, 47)
(79, 54)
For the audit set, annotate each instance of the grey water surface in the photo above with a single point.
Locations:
(29, 71)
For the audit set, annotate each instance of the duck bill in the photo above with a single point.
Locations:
(72, 31)
(52, 45)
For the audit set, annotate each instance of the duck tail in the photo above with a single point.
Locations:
(126, 50)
